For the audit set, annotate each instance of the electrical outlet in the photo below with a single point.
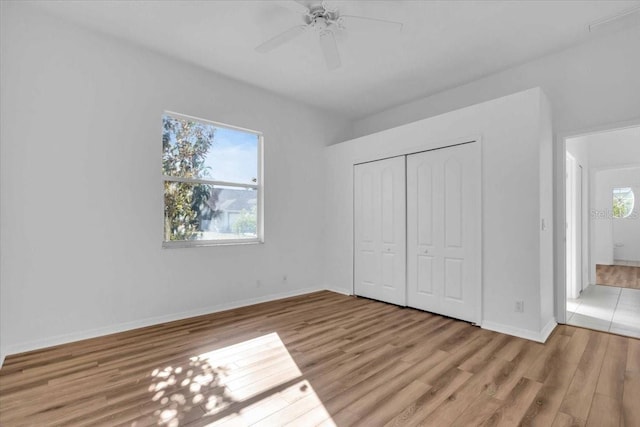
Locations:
(284, 279)
(258, 283)
(519, 306)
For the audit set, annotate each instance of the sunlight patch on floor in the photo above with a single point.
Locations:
(255, 382)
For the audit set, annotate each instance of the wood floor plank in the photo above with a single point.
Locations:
(633, 355)
(552, 353)
(386, 410)
(460, 356)
(486, 352)
(515, 404)
(555, 378)
(314, 417)
(566, 420)
(325, 359)
(478, 413)
(360, 399)
(481, 384)
(577, 401)
(529, 353)
(630, 416)
(420, 407)
(618, 275)
(611, 380)
(509, 382)
(290, 413)
(605, 412)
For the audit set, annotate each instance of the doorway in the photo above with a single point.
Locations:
(602, 231)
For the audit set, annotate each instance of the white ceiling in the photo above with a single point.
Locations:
(443, 43)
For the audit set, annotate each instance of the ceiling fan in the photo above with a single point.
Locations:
(326, 20)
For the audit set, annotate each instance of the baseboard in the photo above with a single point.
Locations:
(538, 336)
(127, 326)
(548, 328)
(626, 262)
(339, 290)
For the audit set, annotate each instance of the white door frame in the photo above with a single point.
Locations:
(581, 225)
(560, 160)
(570, 224)
(574, 226)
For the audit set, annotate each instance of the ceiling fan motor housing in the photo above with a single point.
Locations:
(322, 19)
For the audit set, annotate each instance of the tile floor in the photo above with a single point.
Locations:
(606, 308)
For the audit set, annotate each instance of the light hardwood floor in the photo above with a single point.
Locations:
(621, 276)
(326, 359)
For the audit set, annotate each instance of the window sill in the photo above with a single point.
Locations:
(205, 243)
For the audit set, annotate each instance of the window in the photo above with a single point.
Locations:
(212, 182)
(623, 201)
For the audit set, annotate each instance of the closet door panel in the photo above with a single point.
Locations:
(453, 176)
(446, 202)
(380, 230)
(424, 278)
(424, 232)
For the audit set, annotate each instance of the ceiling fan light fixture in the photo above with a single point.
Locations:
(327, 21)
(320, 24)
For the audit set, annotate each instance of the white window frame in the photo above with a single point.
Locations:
(259, 187)
(633, 201)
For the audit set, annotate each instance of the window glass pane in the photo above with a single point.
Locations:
(234, 156)
(207, 212)
(623, 201)
(193, 149)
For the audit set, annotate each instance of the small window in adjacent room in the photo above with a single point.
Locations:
(623, 201)
(212, 183)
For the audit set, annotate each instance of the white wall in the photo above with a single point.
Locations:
(614, 148)
(81, 192)
(589, 85)
(610, 232)
(516, 151)
(626, 231)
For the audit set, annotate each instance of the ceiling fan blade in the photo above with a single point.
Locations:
(329, 6)
(362, 23)
(293, 6)
(281, 39)
(330, 50)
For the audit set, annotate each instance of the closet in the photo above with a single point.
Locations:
(417, 229)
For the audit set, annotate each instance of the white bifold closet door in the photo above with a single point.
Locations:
(443, 231)
(380, 230)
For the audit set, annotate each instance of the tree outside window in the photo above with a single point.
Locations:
(623, 201)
